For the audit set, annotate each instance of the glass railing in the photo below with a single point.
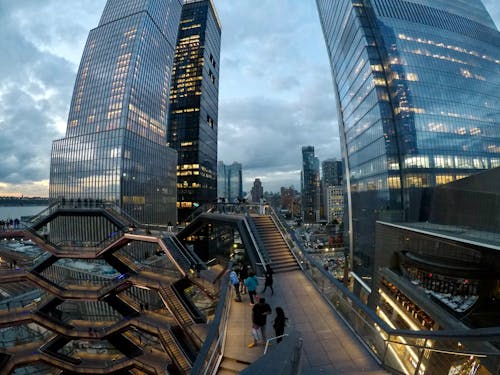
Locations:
(212, 350)
(229, 208)
(406, 351)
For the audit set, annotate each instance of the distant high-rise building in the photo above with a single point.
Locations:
(229, 181)
(257, 191)
(194, 99)
(115, 144)
(310, 185)
(290, 200)
(331, 172)
(417, 85)
(331, 175)
(222, 188)
(334, 203)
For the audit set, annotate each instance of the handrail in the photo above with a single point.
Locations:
(213, 347)
(268, 341)
(285, 358)
(282, 229)
(197, 212)
(254, 242)
(190, 254)
(191, 260)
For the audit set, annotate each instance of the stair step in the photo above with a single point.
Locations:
(278, 252)
(287, 269)
(282, 264)
(233, 365)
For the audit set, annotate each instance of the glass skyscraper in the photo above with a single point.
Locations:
(229, 181)
(331, 172)
(115, 148)
(194, 100)
(310, 185)
(417, 86)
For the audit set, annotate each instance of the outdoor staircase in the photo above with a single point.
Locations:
(231, 366)
(174, 304)
(174, 350)
(281, 258)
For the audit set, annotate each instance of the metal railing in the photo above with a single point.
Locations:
(257, 243)
(284, 358)
(398, 350)
(271, 339)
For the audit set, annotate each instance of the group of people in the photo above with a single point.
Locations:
(9, 223)
(245, 281)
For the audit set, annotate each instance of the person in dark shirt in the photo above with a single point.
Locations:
(260, 311)
(243, 276)
(279, 323)
(269, 279)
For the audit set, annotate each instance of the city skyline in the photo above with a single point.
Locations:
(273, 70)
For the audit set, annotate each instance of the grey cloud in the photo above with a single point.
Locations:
(493, 8)
(25, 143)
(266, 134)
(35, 92)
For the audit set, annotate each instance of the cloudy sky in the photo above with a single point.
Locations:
(275, 87)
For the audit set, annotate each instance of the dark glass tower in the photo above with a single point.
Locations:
(310, 185)
(194, 100)
(332, 172)
(417, 86)
(115, 145)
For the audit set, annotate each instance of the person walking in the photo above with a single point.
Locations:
(233, 279)
(279, 323)
(260, 311)
(251, 283)
(269, 279)
(243, 276)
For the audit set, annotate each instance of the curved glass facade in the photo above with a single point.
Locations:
(194, 101)
(115, 145)
(418, 86)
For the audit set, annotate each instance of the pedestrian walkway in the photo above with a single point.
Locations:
(329, 347)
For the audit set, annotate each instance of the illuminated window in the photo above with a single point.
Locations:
(115, 152)
(411, 77)
(444, 179)
(443, 161)
(417, 181)
(417, 162)
(463, 162)
(394, 182)
(475, 131)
